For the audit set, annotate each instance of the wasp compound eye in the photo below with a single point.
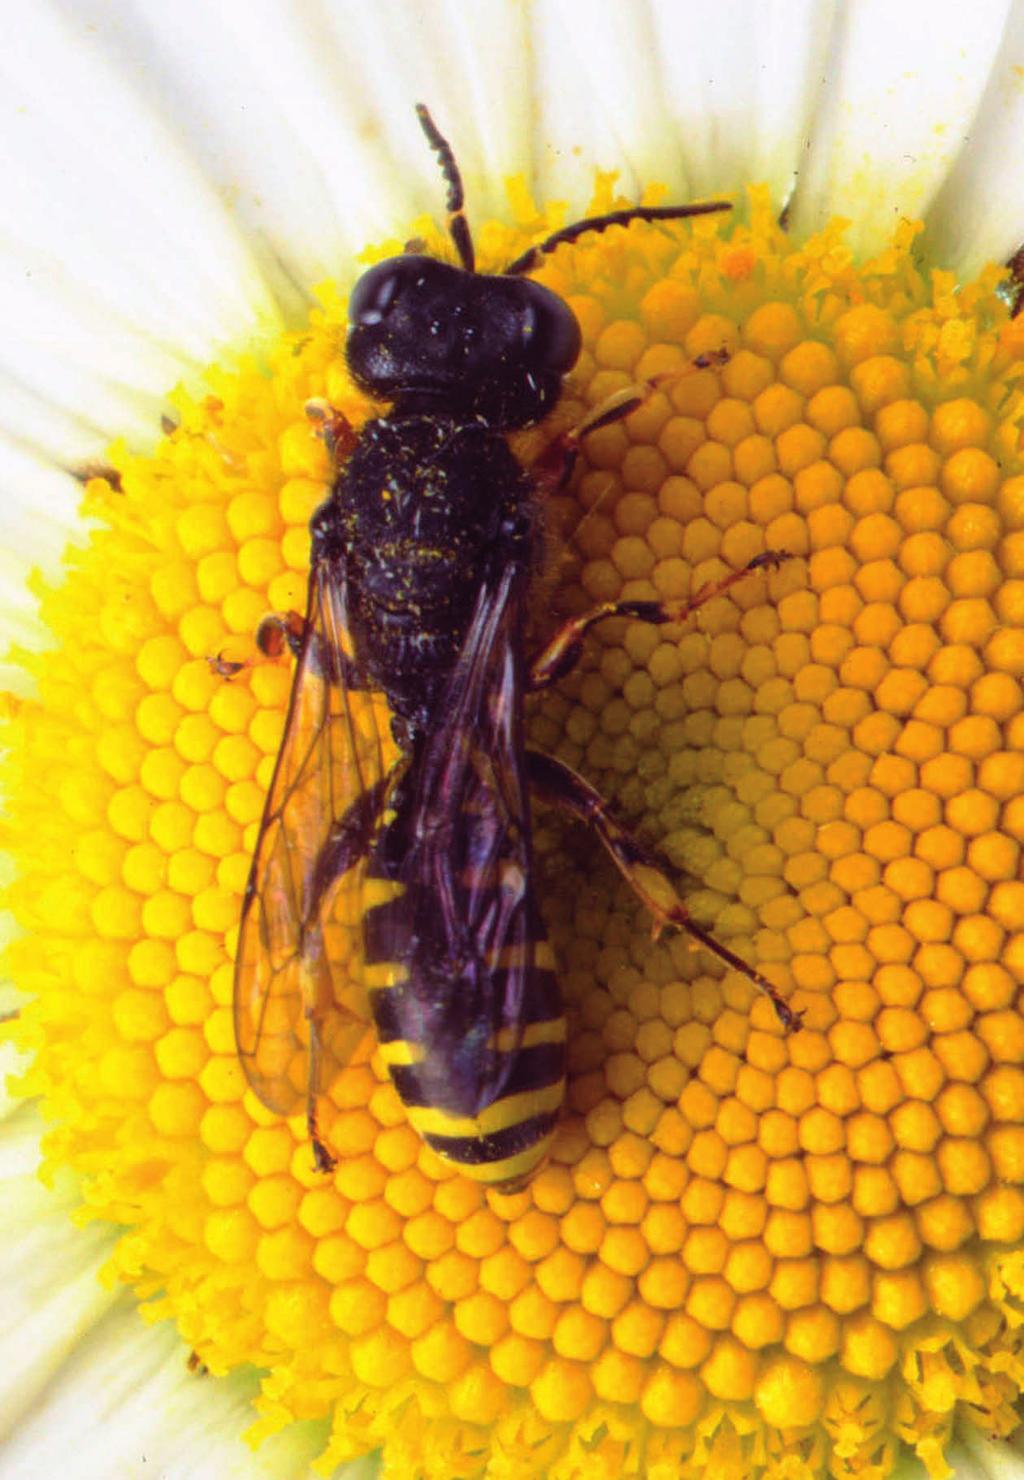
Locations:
(377, 291)
(551, 335)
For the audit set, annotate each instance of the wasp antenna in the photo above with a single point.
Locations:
(529, 259)
(458, 226)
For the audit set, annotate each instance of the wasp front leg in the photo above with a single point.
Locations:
(563, 651)
(553, 467)
(644, 870)
(279, 632)
(332, 426)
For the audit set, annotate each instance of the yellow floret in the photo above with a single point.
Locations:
(788, 1393)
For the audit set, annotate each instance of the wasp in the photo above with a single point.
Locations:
(393, 877)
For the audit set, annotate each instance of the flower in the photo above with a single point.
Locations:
(748, 1250)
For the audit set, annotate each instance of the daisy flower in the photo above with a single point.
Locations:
(750, 1254)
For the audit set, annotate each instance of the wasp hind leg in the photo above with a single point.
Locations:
(644, 870)
(323, 1160)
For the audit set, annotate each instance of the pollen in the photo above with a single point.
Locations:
(751, 1251)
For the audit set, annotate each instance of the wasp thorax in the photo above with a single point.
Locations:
(432, 336)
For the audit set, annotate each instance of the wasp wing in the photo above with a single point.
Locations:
(465, 928)
(299, 1012)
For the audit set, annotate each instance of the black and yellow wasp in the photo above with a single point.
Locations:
(393, 876)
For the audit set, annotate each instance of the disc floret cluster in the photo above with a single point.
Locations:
(752, 1253)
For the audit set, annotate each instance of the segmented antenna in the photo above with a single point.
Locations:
(528, 261)
(458, 226)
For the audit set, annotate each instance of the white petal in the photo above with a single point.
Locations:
(38, 520)
(470, 65)
(975, 1457)
(87, 1388)
(98, 140)
(305, 121)
(599, 98)
(19, 1162)
(703, 103)
(741, 83)
(37, 500)
(978, 216)
(274, 111)
(51, 1294)
(121, 268)
(904, 85)
(129, 1403)
(12, 1063)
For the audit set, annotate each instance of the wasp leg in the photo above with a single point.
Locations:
(279, 632)
(333, 427)
(643, 868)
(563, 651)
(347, 842)
(551, 470)
(323, 1160)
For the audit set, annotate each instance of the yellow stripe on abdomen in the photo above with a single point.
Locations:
(428, 1120)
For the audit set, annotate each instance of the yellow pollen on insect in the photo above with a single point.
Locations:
(750, 1252)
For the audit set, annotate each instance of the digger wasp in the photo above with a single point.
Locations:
(393, 878)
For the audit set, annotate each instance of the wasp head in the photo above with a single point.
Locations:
(436, 338)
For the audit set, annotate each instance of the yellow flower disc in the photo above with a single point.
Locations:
(750, 1253)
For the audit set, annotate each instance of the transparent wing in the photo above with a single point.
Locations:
(299, 1008)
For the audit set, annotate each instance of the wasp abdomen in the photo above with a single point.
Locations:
(474, 1043)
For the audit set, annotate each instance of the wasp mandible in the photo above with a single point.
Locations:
(393, 875)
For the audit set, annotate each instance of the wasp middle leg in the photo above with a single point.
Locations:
(562, 652)
(643, 868)
(281, 632)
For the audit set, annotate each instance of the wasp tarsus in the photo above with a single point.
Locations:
(712, 359)
(323, 1160)
(392, 877)
(226, 668)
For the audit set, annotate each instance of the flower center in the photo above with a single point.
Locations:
(746, 1245)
